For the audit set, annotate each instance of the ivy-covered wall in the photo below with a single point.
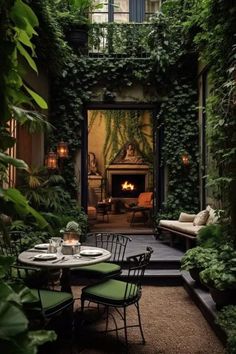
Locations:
(170, 70)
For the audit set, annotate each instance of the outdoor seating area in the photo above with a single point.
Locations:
(117, 177)
(188, 225)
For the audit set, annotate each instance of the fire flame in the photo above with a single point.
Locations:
(127, 186)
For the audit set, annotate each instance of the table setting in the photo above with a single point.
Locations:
(62, 253)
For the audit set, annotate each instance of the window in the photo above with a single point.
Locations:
(122, 11)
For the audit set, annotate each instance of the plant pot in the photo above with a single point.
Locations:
(223, 297)
(77, 37)
(194, 272)
(71, 236)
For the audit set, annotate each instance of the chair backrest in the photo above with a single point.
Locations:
(10, 244)
(114, 243)
(137, 265)
(145, 199)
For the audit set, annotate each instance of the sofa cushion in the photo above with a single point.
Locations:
(213, 218)
(185, 227)
(184, 217)
(201, 218)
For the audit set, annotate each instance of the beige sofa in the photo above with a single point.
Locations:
(188, 225)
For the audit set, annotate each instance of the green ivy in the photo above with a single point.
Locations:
(178, 115)
(74, 86)
(213, 24)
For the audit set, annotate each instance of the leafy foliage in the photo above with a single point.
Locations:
(198, 257)
(221, 274)
(15, 336)
(162, 69)
(212, 236)
(226, 319)
(214, 37)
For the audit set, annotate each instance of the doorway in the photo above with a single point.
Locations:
(121, 164)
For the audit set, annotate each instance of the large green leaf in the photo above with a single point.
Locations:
(7, 294)
(40, 337)
(25, 39)
(22, 206)
(38, 99)
(33, 121)
(8, 160)
(23, 10)
(24, 293)
(27, 56)
(12, 320)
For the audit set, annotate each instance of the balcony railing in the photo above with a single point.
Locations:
(119, 40)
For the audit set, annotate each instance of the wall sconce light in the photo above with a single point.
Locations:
(51, 160)
(62, 150)
(185, 159)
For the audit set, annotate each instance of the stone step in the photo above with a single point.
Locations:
(165, 277)
(204, 301)
(160, 264)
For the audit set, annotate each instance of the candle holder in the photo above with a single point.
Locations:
(70, 247)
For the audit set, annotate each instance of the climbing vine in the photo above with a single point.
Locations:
(123, 126)
(76, 84)
(215, 39)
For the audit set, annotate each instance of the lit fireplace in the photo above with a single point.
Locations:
(127, 186)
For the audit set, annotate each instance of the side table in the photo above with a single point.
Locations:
(103, 209)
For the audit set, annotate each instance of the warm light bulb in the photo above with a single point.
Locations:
(62, 150)
(51, 160)
(185, 159)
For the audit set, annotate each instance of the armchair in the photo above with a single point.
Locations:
(144, 206)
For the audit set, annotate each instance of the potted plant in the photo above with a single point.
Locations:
(211, 236)
(71, 232)
(226, 319)
(75, 18)
(197, 259)
(220, 277)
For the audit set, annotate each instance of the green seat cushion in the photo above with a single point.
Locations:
(111, 292)
(52, 300)
(102, 269)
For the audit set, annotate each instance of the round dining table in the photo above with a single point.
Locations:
(42, 259)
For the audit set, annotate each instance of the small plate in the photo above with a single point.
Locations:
(45, 257)
(42, 246)
(91, 253)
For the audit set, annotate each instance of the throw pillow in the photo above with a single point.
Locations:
(184, 217)
(212, 219)
(201, 218)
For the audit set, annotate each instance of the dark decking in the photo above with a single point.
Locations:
(165, 260)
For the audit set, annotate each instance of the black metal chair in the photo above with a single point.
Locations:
(40, 304)
(11, 243)
(113, 242)
(118, 294)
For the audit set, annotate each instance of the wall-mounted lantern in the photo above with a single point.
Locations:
(54, 160)
(62, 150)
(185, 159)
(51, 160)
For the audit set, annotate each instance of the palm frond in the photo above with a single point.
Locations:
(34, 121)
